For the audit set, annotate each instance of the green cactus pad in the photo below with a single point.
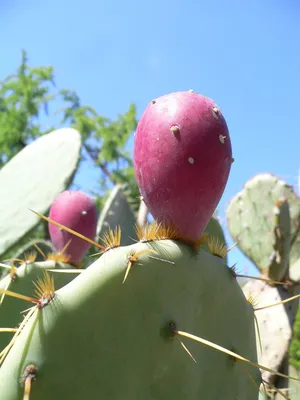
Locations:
(254, 218)
(11, 307)
(101, 339)
(32, 179)
(117, 212)
(275, 324)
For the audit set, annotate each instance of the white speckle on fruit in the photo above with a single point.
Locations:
(157, 138)
(222, 139)
(192, 91)
(191, 160)
(216, 112)
(83, 212)
(175, 129)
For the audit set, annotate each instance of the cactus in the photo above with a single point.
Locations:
(20, 280)
(264, 220)
(164, 317)
(182, 160)
(32, 179)
(259, 220)
(103, 331)
(77, 211)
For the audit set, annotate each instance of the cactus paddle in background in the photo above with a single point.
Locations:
(32, 179)
(77, 211)
(182, 159)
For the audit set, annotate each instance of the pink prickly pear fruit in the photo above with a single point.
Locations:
(77, 211)
(182, 160)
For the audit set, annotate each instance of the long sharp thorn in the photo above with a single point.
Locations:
(68, 230)
(231, 353)
(277, 304)
(19, 296)
(260, 279)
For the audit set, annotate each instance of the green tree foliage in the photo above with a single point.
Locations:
(295, 344)
(25, 96)
(25, 100)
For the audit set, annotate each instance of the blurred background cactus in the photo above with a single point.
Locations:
(264, 220)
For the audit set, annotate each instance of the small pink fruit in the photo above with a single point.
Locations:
(182, 160)
(77, 211)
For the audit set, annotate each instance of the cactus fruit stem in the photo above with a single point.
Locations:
(229, 352)
(133, 257)
(28, 377)
(68, 230)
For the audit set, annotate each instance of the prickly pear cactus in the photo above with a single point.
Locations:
(259, 219)
(131, 338)
(32, 179)
(20, 280)
(164, 317)
(264, 219)
(271, 321)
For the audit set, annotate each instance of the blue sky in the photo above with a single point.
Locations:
(244, 55)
